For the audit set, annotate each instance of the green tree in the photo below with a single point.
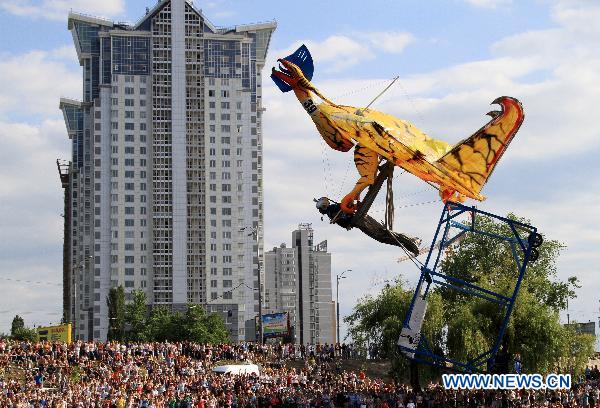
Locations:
(18, 331)
(17, 323)
(193, 325)
(163, 325)
(116, 313)
(24, 333)
(135, 316)
(203, 327)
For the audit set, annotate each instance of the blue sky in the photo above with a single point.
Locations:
(453, 58)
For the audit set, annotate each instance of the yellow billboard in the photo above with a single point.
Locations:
(60, 333)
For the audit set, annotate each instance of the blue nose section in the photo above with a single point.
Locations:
(301, 58)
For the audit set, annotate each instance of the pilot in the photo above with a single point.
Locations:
(334, 211)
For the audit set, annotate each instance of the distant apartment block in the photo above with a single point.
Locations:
(166, 165)
(298, 281)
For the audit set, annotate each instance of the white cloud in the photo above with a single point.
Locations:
(339, 52)
(336, 53)
(32, 83)
(577, 15)
(59, 9)
(30, 215)
(66, 52)
(491, 4)
(32, 201)
(390, 42)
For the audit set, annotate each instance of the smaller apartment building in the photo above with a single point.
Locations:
(298, 281)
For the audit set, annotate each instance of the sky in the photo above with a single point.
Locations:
(453, 58)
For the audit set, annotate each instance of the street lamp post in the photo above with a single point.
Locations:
(337, 300)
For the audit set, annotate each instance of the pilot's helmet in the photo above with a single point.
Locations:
(322, 204)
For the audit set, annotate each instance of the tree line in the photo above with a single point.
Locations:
(136, 322)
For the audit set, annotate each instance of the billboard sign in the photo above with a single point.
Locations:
(60, 333)
(275, 325)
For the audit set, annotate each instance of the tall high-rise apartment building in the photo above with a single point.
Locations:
(298, 281)
(165, 179)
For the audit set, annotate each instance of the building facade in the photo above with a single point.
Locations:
(165, 178)
(298, 281)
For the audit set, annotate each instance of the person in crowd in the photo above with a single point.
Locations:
(179, 375)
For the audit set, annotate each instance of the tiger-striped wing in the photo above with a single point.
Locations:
(472, 161)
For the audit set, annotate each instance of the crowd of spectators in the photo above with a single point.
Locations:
(179, 375)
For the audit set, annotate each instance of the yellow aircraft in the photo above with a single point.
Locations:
(459, 171)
